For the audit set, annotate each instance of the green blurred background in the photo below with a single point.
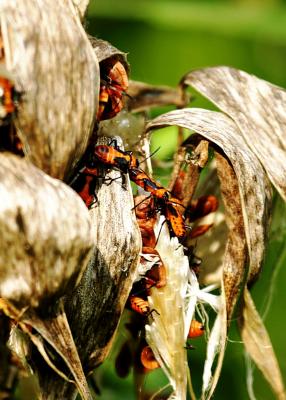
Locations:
(164, 39)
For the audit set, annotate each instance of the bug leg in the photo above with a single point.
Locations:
(150, 313)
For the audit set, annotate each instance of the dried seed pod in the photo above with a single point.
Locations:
(94, 308)
(45, 234)
(105, 51)
(60, 84)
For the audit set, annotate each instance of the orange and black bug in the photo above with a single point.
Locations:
(85, 183)
(141, 306)
(141, 179)
(114, 157)
(173, 212)
(148, 359)
(196, 329)
(113, 85)
(9, 98)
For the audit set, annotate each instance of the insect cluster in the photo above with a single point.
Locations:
(157, 199)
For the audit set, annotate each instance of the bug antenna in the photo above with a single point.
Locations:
(152, 154)
(142, 201)
(160, 232)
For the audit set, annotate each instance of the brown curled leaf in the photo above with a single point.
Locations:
(59, 83)
(235, 263)
(45, 234)
(142, 96)
(258, 109)
(54, 330)
(254, 198)
(259, 347)
(254, 187)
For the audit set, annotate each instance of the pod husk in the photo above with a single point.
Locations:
(57, 72)
(45, 234)
(105, 50)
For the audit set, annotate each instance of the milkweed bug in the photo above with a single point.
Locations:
(140, 306)
(148, 359)
(173, 213)
(113, 84)
(141, 179)
(9, 98)
(196, 329)
(84, 184)
(114, 157)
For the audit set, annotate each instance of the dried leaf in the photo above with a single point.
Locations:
(45, 234)
(259, 347)
(258, 109)
(235, 261)
(55, 330)
(254, 187)
(60, 84)
(255, 196)
(143, 96)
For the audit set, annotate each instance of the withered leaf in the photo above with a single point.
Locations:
(143, 96)
(254, 187)
(45, 234)
(258, 108)
(54, 67)
(55, 330)
(235, 261)
(259, 347)
(255, 198)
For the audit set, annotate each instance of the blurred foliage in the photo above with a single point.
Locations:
(164, 39)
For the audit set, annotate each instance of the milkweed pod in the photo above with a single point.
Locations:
(45, 234)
